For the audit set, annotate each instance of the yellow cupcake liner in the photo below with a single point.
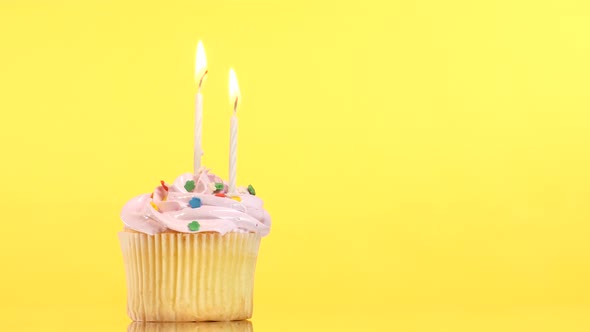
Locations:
(189, 277)
(236, 326)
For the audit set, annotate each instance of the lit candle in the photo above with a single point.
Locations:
(200, 73)
(234, 98)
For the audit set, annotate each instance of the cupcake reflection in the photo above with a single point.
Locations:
(234, 326)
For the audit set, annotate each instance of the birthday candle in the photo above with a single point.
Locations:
(200, 73)
(234, 97)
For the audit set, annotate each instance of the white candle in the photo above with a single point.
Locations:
(234, 97)
(233, 153)
(200, 73)
(198, 131)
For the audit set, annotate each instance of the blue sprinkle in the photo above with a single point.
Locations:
(195, 202)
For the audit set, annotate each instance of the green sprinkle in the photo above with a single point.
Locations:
(218, 186)
(251, 190)
(189, 185)
(194, 226)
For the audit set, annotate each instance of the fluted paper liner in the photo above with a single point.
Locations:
(237, 326)
(189, 277)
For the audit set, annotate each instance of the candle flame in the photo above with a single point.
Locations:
(234, 89)
(200, 64)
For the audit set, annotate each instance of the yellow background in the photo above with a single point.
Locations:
(426, 163)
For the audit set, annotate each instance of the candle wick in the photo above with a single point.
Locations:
(202, 78)
(236, 105)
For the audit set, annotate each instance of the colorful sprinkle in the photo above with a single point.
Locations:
(251, 190)
(154, 206)
(220, 195)
(195, 202)
(218, 186)
(164, 185)
(194, 226)
(189, 185)
(236, 198)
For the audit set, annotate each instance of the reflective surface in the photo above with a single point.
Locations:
(239, 326)
(541, 320)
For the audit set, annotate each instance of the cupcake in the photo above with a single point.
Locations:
(190, 250)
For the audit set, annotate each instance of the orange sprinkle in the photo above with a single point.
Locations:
(164, 185)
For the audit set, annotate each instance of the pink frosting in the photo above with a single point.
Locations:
(216, 214)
